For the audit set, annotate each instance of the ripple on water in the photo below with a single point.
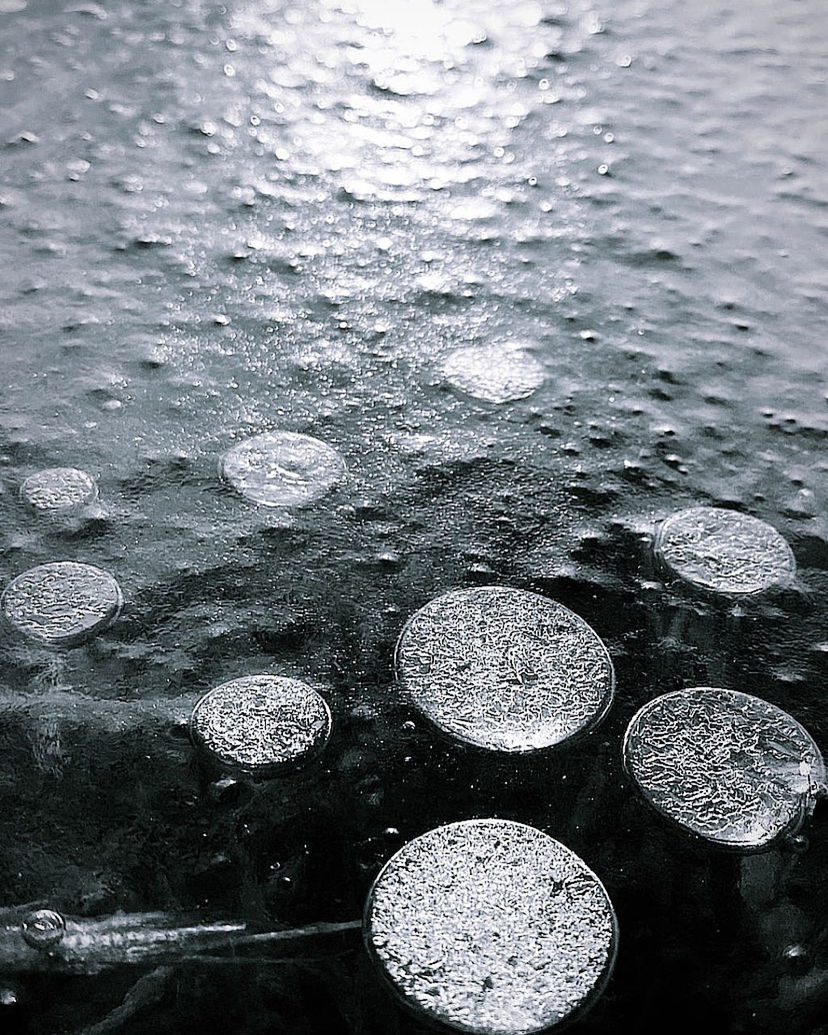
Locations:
(59, 489)
(493, 373)
(724, 551)
(61, 603)
(725, 766)
(504, 669)
(491, 926)
(282, 468)
(261, 724)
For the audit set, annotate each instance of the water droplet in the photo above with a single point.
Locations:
(43, 929)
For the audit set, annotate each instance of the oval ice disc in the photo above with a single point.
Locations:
(261, 723)
(282, 468)
(59, 488)
(504, 669)
(724, 551)
(493, 373)
(725, 766)
(491, 927)
(62, 602)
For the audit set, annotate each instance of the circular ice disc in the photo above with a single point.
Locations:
(726, 766)
(282, 468)
(261, 724)
(504, 669)
(724, 551)
(491, 926)
(59, 488)
(61, 603)
(494, 373)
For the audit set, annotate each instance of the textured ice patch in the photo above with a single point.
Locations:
(724, 551)
(492, 927)
(282, 468)
(504, 669)
(57, 489)
(494, 373)
(61, 603)
(724, 765)
(261, 723)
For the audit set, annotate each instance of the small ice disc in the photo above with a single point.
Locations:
(58, 489)
(726, 766)
(492, 927)
(61, 603)
(494, 373)
(504, 669)
(261, 724)
(724, 551)
(282, 468)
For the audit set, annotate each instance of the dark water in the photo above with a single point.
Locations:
(221, 219)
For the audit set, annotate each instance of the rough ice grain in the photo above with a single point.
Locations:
(504, 669)
(261, 722)
(62, 602)
(282, 469)
(494, 373)
(492, 927)
(724, 551)
(58, 489)
(726, 766)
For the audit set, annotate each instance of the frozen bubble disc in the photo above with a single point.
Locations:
(494, 373)
(282, 468)
(58, 489)
(725, 766)
(61, 603)
(723, 551)
(504, 669)
(261, 724)
(491, 926)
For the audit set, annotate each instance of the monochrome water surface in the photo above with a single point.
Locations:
(541, 274)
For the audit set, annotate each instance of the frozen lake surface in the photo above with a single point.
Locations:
(539, 275)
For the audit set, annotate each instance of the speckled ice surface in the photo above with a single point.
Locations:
(724, 765)
(724, 551)
(491, 926)
(282, 468)
(261, 722)
(61, 602)
(504, 669)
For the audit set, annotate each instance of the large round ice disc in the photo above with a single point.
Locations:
(494, 373)
(726, 766)
(724, 551)
(262, 724)
(504, 669)
(282, 468)
(61, 603)
(492, 927)
(57, 489)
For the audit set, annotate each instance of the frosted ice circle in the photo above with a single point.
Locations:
(61, 603)
(494, 373)
(58, 489)
(282, 468)
(261, 723)
(725, 766)
(724, 551)
(504, 669)
(492, 927)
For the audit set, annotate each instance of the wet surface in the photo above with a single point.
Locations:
(218, 221)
